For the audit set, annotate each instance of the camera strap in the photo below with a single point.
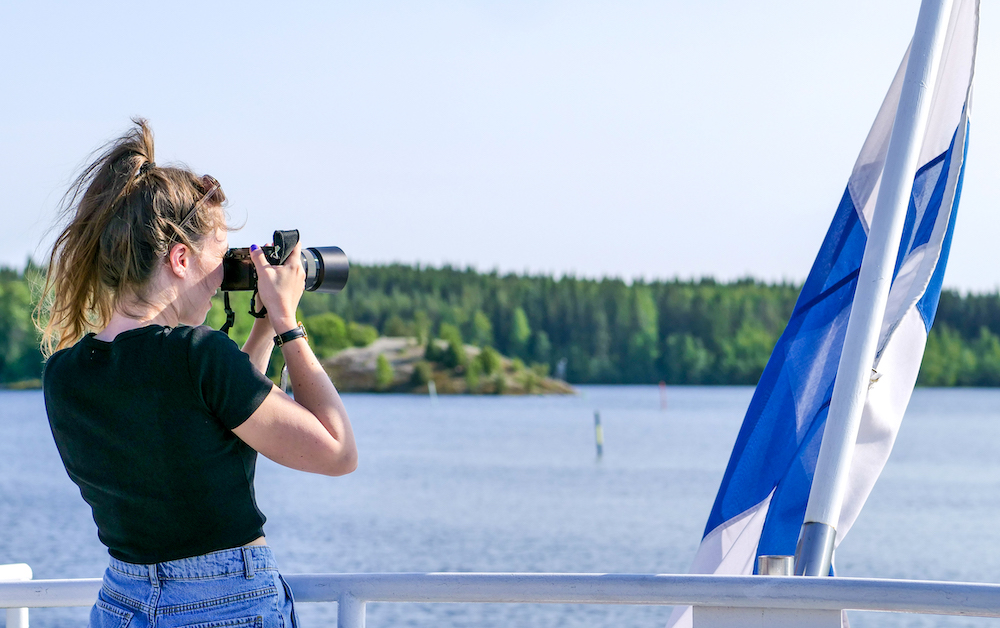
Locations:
(262, 312)
(230, 314)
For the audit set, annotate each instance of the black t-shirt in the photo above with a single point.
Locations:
(143, 425)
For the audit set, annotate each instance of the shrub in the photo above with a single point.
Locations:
(540, 369)
(383, 373)
(433, 353)
(449, 333)
(395, 327)
(327, 334)
(520, 333)
(422, 373)
(482, 329)
(454, 355)
(500, 383)
(489, 360)
(472, 373)
(361, 335)
(529, 379)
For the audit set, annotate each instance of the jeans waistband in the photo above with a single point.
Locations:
(240, 560)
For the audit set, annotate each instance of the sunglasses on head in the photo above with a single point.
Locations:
(212, 189)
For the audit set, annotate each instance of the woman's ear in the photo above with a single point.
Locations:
(180, 260)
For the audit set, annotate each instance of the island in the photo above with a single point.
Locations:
(404, 365)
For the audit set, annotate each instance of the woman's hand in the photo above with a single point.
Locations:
(280, 287)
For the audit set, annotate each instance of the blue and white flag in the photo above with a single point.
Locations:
(761, 504)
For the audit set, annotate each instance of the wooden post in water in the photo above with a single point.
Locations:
(663, 395)
(598, 434)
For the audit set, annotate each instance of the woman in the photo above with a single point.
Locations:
(159, 420)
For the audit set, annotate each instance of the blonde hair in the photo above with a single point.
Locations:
(124, 214)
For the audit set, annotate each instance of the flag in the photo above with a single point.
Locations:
(761, 503)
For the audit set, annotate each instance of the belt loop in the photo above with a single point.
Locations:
(154, 578)
(248, 569)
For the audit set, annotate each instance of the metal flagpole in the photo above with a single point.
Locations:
(814, 554)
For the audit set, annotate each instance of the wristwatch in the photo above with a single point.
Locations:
(290, 335)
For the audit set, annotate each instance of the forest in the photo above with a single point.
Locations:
(586, 331)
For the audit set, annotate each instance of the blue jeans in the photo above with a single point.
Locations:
(233, 588)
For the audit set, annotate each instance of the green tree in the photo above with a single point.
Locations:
(383, 373)
(20, 358)
(520, 333)
(361, 335)
(454, 354)
(489, 361)
(482, 330)
(423, 372)
(541, 347)
(327, 334)
(987, 350)
(396, 327)
(745, 355)
(432, 351)
(472, 373)
(600, 364)
(686, 360)
(421, 326)
(500, 382)
(947, 361)
(643, 343)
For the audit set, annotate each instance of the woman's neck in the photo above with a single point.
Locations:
(138, 317)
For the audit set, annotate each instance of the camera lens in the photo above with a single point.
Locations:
(326, 268)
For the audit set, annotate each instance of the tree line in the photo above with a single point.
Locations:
(583, 330)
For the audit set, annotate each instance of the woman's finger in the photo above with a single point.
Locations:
(258, 257)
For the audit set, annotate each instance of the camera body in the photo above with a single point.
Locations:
(326, 267)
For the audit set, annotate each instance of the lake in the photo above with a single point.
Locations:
(513, 484)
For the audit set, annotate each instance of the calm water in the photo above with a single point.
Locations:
(512, 484)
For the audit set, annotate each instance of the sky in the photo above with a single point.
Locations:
(655, 140)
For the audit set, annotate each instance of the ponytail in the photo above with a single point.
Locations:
(123, 214)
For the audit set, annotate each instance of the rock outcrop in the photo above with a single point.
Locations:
(355, 370)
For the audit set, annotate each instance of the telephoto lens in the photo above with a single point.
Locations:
(326, 268)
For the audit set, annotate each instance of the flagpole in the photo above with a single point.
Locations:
(814, 554)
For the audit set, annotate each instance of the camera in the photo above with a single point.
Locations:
(326, 266)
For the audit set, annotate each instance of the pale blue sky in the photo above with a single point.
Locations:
(653, 139)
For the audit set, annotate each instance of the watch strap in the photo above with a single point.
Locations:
(290, 335)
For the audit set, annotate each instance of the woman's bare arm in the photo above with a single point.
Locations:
(311, 432)
(259, 343)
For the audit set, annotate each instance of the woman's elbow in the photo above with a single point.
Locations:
(346, 461)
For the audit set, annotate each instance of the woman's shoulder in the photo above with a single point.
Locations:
(200, 339)
(194, 334)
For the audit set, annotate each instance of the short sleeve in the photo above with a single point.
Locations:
(231, 387)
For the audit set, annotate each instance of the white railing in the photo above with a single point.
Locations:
(16, 617)
(719, 601)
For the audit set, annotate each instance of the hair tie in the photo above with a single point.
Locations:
(146, 167)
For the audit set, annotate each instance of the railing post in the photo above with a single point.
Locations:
(16, 617)
(350, 612)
